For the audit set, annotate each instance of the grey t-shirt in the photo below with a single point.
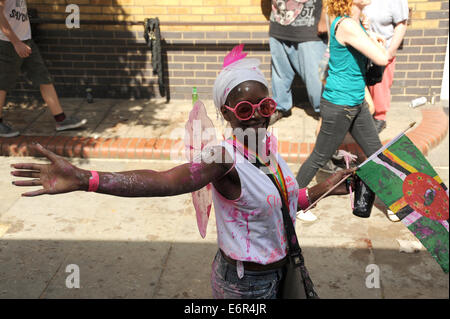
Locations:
(384, 15)
(303, 28)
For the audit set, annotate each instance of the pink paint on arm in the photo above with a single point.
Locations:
(53, 182)
(196, 172)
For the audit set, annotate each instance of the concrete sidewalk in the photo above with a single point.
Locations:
(154, 129)
(151, 248)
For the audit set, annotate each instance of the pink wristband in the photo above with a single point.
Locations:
(94, 181)
(303, 200)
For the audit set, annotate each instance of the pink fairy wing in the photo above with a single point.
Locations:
(272, 144)
(199, 132)
(202, 200)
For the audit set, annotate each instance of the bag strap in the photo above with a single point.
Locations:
(295, 252)
(327, 20)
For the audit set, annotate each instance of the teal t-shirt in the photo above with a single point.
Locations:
(346, 75)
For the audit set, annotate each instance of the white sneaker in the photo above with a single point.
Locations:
(391, 216)
(306, 217)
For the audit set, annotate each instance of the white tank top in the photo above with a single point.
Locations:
(17, 16)
(251, 227)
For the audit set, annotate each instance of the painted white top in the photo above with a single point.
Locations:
(251, 228)
(17, 16)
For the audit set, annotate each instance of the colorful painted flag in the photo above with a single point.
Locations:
(408, 185)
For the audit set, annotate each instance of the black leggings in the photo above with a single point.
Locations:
(337, 120)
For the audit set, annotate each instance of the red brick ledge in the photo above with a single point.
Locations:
(426, 135)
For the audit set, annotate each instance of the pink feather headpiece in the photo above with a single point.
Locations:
(235, 55)
(235, 70)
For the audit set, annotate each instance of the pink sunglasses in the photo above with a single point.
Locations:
(244, 110)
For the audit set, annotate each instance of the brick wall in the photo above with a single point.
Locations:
(420, 65)
(115, 61)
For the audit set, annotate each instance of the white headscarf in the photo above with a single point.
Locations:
(234, 74)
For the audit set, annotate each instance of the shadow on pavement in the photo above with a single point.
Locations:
(109, 118)
(125, 269)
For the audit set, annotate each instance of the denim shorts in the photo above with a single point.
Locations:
(253, 285)
(12, 64)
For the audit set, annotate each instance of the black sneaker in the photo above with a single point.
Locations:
(7, 131)
(70, 123)
(379, 125)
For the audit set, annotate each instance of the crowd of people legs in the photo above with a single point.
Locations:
(358, 32)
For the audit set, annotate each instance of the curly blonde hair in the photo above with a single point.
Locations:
(339, 8)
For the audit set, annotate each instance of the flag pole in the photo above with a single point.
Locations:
(395, 139)
(326, 193)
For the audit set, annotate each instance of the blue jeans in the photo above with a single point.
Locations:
(254, 285)
(337, 120)
(289, 58)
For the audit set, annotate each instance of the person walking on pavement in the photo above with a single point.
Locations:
(297, 34)
(389, 19)
(343, 108)
(252, 243)
(19, 52)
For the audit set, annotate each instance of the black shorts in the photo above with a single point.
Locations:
(12, 64)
